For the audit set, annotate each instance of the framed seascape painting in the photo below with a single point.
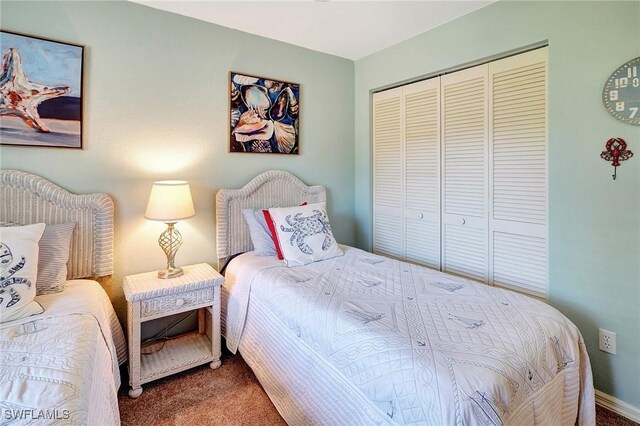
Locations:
(264, 115)
(40, 92)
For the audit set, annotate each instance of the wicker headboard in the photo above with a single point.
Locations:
(272, 188)
(27, 198)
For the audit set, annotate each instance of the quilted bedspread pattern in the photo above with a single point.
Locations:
(61, 367)
(424, 346)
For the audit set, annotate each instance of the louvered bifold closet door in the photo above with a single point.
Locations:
(518, 172)
(422, 172)
(464, 173)
(388, 191)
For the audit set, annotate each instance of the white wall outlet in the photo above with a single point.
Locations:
(607, 341)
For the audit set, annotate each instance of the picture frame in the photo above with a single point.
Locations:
(41, 89)
(264, 115)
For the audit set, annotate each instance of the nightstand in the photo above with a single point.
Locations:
(149, 297)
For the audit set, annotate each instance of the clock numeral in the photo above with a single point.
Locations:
(621, 93)
(622, 82)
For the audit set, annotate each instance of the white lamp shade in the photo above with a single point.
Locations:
(170, 201)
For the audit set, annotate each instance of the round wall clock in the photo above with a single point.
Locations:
(621, 93)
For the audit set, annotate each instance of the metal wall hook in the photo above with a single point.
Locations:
(616, 151)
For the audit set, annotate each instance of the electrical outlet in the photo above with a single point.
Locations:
(607, 341)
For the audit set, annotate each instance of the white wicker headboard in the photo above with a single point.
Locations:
(27, 198)
(272, 188)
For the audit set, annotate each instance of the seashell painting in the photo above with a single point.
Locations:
(263, 115)
(40, 92)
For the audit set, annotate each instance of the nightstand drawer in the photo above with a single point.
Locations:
(173, 302)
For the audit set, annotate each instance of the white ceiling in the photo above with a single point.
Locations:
(350, 29)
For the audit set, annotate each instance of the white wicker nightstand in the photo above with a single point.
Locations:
(149, 297)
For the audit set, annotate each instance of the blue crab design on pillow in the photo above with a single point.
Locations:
(7, 279)
(303, 227)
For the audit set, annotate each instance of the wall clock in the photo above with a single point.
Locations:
(621, 93)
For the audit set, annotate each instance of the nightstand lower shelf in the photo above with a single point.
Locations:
(178, 354)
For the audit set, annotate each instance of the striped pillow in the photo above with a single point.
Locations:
(53, 256)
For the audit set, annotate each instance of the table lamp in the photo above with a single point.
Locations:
(169, 202)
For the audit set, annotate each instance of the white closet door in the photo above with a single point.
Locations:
(388, 151)
(421, 103)
(464, 173)
(518, 172)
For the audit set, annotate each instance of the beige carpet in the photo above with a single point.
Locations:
(605, 417)
(230, 395)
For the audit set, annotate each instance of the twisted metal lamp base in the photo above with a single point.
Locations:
(170, 241)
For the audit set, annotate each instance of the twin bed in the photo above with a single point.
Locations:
(62, 366)
(364, 339)
(356, 339)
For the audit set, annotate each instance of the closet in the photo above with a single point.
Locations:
(460, 172)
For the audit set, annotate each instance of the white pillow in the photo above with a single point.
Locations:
(53, 255)
(304, 234)
(19, 271)
(259, 231)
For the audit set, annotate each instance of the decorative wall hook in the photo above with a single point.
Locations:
(616, 151)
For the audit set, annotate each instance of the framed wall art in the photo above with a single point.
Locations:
(40, 92)
(264, 115)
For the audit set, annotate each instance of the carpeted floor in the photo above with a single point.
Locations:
(230, 395)
(605, 417)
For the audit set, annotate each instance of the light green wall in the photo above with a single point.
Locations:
(594, 221)
(156, 107)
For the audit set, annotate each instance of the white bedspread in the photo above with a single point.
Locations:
(61, 367)
(425, 347)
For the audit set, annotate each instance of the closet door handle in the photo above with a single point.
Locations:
(462, 221)
(421, 215)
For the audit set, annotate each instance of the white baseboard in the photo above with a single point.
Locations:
(617, 406)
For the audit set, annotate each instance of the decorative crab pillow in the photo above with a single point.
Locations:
(304, 234)
(18, 271)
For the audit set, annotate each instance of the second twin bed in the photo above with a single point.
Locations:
(365, 339)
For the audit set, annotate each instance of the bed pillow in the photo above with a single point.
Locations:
(272, 231)
(259, 232)
(305, 234)
(262, 232)
(53, 256)
(19, 271)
